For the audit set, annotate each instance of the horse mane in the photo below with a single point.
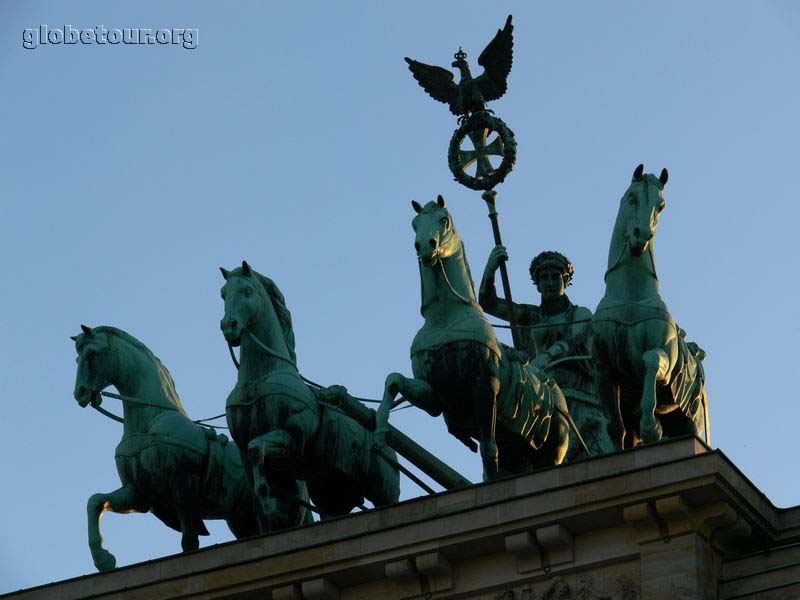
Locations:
(281, 311)
(168, 384)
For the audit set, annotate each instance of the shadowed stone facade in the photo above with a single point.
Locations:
(670, 520)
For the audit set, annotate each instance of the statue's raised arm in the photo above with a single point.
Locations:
(487, 295)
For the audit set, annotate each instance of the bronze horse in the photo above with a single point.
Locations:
(646, 373)
(284, 432)
(182, 472)
(486, 391)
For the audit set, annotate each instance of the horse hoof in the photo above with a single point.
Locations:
(190, 543)
(272, 516)
(651, 433)
(104, 560)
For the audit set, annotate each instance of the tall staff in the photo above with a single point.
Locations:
(467, 99)
(490, 196)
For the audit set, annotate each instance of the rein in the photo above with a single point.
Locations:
(542, 326)
(619, 258)
(577, 431)
(450, 285)
(444, 272)
(233, 357)
(275, 354)
(568, 358)
(622, 253)
(266, 349)
(135, 400)
(132, 400)
(110, 415)
(440, 262)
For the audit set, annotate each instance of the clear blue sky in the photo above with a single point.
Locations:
(294, 136)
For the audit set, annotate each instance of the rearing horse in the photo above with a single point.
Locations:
(482, 387)
(646, 373)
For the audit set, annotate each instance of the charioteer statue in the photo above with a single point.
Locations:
(555, 334)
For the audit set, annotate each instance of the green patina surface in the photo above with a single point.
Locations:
(555, 335)
(286, 435)
(182, 472)
(647, 375)
(574, 382)
(488, 393)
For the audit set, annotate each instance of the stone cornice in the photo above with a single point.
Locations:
(580, 516)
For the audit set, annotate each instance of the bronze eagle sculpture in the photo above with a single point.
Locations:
(470, 95)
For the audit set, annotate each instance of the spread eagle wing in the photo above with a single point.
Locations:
(437, 81)
(496, 60)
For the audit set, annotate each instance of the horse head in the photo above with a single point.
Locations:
(244, 298)
(436, 237)
(641, 206)
(98, 366)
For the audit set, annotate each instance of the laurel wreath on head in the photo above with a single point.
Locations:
(477, 122)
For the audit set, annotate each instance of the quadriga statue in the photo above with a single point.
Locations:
(648, 375)
(284, 432)
(484, 389)
(180, 471)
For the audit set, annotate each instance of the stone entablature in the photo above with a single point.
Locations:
(670, 520)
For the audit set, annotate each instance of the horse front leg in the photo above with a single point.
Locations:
(277, 509)
(123, 500)
(417, 391)
(656, 363)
